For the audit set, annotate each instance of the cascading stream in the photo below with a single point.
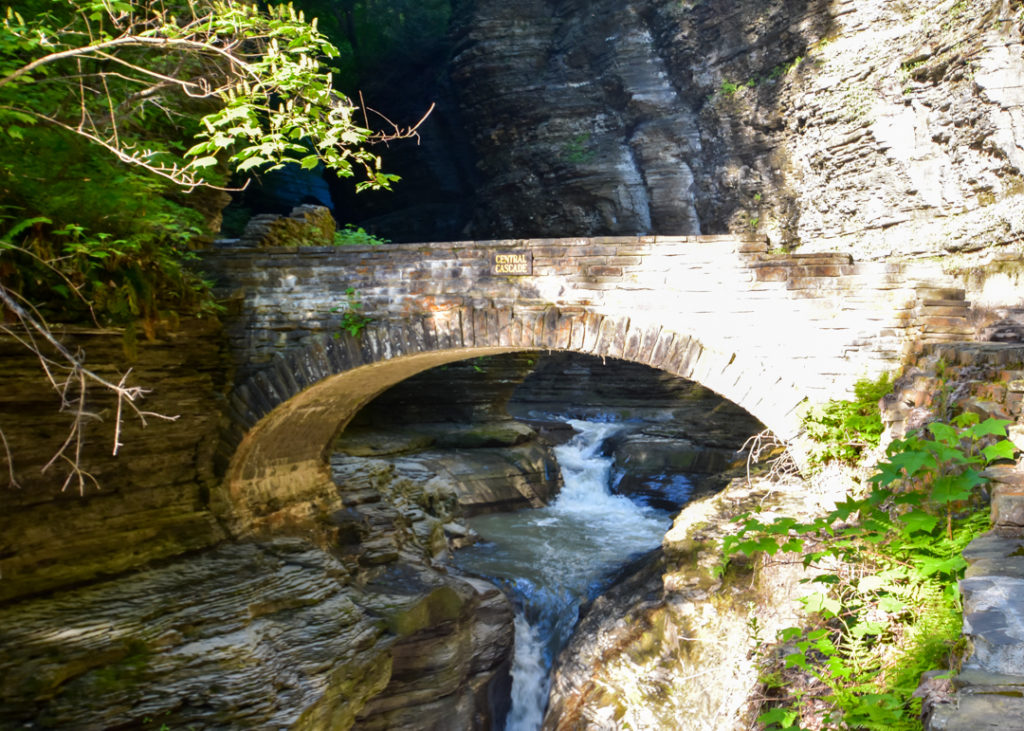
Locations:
(554, 558)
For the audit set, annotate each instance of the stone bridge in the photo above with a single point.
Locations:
(769, 331)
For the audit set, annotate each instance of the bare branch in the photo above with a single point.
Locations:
(766, 446)
(72, 390)
(96, 49)
(11, 480)
(399, 133)
(184, 177)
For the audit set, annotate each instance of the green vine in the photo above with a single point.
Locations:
(352, 235)
(843, 430)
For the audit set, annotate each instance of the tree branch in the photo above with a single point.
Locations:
(72, 391)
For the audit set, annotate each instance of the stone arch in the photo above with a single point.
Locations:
(285, 417)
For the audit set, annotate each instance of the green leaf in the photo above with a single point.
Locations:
(951, 454)
(796, 660)
(309, 162)
(989, 427)
(789, 634)
(947, 566)
(872, 583)
(838, 667)
(944, 433)
(781, 716)
(951, 488)
(967, 418)
(793, 545)
(23, 225)
(890, 605)
(1003, 449)
(861, 629)
(918, 520)
(846, 508)
(204, 162)
(199, 148)
(250, 163)
(913, 462)
(820, 603)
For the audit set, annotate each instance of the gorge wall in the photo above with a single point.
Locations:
(870, 128)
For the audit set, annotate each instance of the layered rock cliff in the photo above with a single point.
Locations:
(864, 127)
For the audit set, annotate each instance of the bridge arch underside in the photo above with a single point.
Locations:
(287, 416)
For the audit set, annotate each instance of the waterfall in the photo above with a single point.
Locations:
(554, 558)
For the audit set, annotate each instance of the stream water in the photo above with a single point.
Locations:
(553, 559)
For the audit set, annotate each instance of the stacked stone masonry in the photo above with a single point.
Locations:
(768, 330)
(815, 323)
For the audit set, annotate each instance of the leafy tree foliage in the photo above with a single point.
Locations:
(110, 109)
(107, 70)
(114, 116)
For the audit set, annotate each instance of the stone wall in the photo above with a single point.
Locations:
(823, 320)
(765, 330)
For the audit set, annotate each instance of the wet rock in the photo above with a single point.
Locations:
(453, 656)
(467, 481)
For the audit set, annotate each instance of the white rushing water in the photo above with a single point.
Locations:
(554, 558)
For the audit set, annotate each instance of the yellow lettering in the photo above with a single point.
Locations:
(513, 268)
(511, 264)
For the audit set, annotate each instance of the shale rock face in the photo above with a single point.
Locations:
(359, 627)
(255, 636)
(149, 502)
(865, 127)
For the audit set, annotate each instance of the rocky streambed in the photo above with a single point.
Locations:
(640, 446)
(364, 621)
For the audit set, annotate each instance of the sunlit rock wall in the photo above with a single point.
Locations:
(869, 127)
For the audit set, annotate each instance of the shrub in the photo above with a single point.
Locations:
(886, 605)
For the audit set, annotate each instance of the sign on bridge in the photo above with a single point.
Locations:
(512, 263)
